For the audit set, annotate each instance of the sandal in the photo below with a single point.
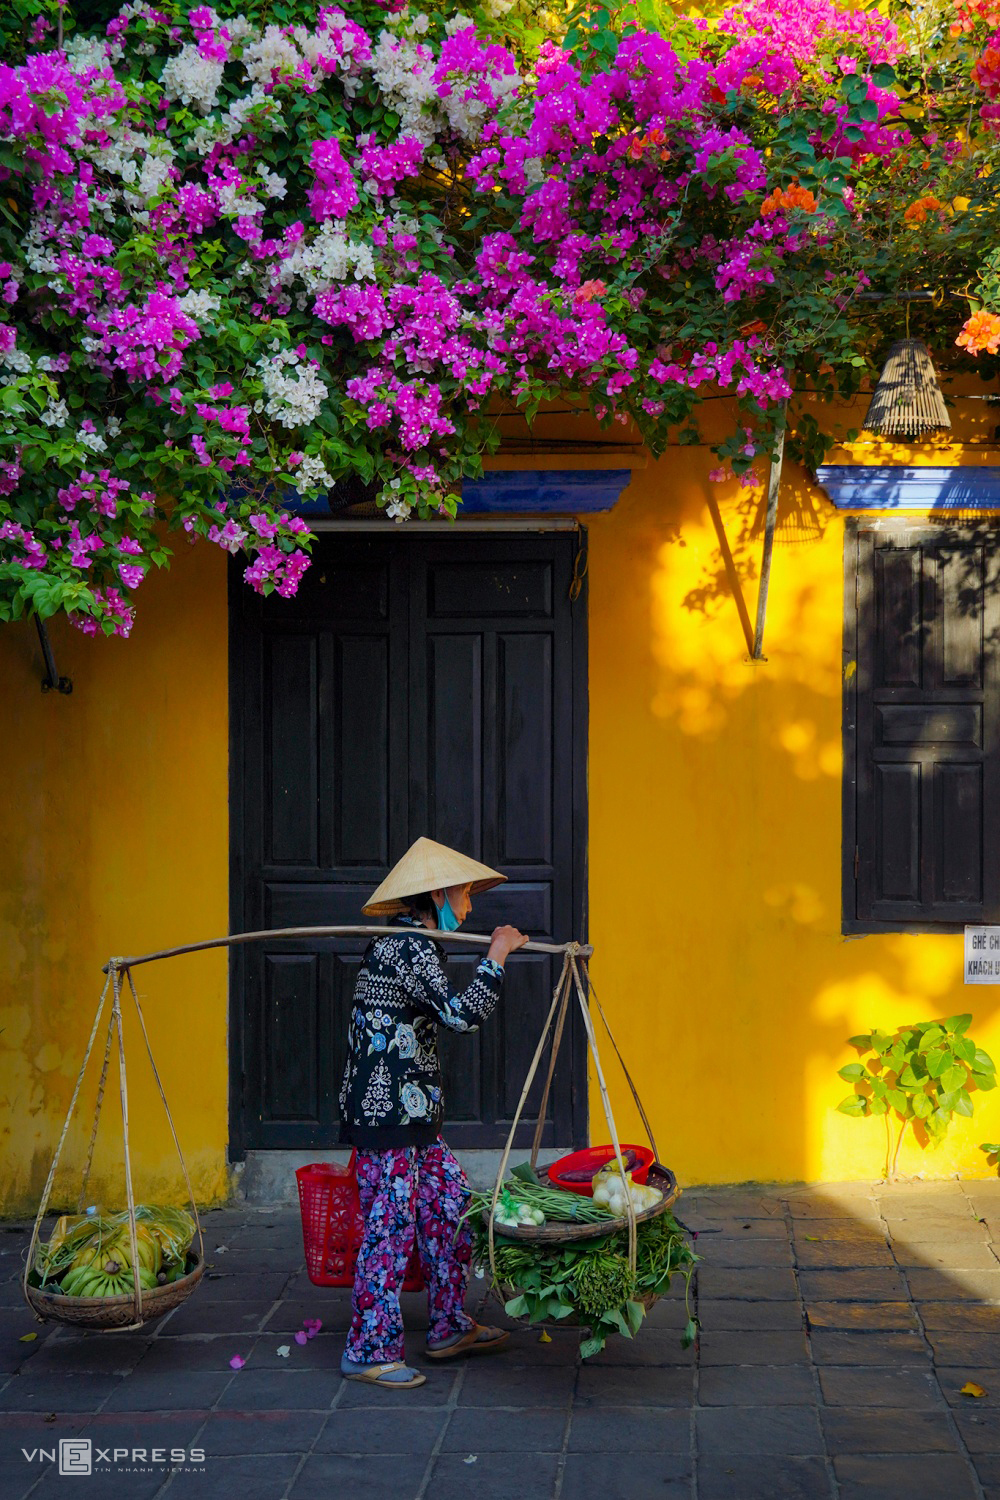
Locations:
(471, 1343)
(372, 1375)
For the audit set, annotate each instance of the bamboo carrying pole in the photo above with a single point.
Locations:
(476, 938)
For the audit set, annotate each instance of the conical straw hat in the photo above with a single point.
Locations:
(427, 866)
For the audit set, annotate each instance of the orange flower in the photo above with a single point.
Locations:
(790, 197)
(641, 143)
(589, 290)
(920, 208)
(980, 331)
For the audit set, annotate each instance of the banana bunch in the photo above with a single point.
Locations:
(108, 1277)
(118, 1246)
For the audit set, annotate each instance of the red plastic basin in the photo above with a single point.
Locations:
(593, 1159)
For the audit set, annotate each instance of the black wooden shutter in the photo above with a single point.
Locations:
(921, 729)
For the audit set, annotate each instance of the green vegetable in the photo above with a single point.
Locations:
(590, 1279)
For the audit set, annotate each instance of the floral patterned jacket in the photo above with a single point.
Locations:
(391, 1092)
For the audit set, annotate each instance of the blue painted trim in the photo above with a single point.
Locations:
(540, 490)
(529, 492)
(860, 487)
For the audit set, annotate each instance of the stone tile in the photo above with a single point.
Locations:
(649, 1347)
(757, 1385)
(745, 1430)
(230, 1432)
(230, 1286)
(987, 1466)
(58, 1393)
(931, 1476)
(869, 1284)
(966, 1254)
(842, 1254)
(494, 1382)
(880, 1385)
(634, 1387)
(538, 1431)
(669, 1312)
(90, 1354)
(215, 1317)
(960, 1317)
(727, 1315)
(850, 1348)
(864, 1315)
(946, 1221)
(865, 1232)
(861, 1210)
(769, 1478)
(164, 1356)
(169, 1390)
(326, 1475)
(438, 1390)
(322, 1353)
(951, 1379)
(858, 1429)
(598, 1476)
(753, 1348)
(453, 1479)
(291, 1390)
(747, 1253)
(980, 1431)
(288, 1317)
(775, 1229)
(105, 1482)
(251, 1477)
(628, 1429)
(730, 1205)
(774, 1284)
(381, 1432)
(943, 1286)
(974, 1349)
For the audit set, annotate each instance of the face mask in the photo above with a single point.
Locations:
(447, 920)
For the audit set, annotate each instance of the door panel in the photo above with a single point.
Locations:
(922, 728)
(413, 687)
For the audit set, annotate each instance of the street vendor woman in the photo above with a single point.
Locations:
(392, 1108)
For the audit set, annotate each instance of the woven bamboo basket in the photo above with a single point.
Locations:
(106, 1313)
(561, 1232)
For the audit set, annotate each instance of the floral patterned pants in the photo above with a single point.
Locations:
(421, 1192)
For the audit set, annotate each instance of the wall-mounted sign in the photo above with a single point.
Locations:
(982, 955)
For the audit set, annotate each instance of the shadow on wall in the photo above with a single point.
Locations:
(716, 845)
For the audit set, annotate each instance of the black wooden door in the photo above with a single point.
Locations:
(923, 728)
(414, 686)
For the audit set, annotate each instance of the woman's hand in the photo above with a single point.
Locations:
(505, 940)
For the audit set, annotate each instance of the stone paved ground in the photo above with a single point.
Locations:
(839, 1325)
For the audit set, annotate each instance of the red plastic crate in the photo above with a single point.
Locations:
(333, 1226)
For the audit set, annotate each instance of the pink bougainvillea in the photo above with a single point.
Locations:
(244, 259)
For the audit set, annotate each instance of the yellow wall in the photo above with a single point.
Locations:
(715, 818)
(714, 856)
(115, 831)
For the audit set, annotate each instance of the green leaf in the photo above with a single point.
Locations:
(964, 1105)
(592, 1346)
(913, 1075)
(850, 1071)
(855, 1105)
(982, 1062)
(938, 1061)
(952, 1078)
(863, 1042)
(517, 1307)
(923, 1106)
(958, 1024)
(634, 1312)
(984, 1081)
(868, 110)
(689, 1335)
(992, 1148)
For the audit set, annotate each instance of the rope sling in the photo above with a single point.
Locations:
(132, 1312)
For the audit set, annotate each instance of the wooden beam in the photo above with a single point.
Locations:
(773, 486)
